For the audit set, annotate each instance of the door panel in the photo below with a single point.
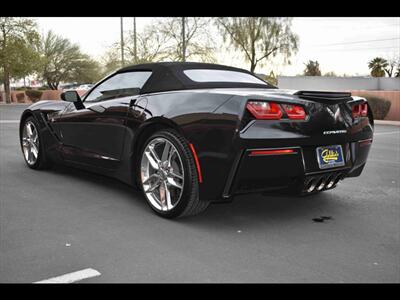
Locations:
(95, 134)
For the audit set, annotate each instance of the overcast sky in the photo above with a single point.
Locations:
(342, 45)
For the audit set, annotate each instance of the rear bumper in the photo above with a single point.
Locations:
(297, 170)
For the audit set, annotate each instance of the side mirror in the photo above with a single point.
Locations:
(70, 96)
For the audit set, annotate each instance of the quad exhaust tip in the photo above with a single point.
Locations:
(321, 184)
(331, 181)
(311, 185)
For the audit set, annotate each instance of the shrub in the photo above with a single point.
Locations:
(34, 95)
(380, 107)
(43, 88)
(20, 97)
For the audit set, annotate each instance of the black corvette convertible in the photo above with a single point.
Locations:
(188, 134)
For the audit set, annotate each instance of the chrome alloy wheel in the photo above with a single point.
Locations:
(162, 174)
(30, 143)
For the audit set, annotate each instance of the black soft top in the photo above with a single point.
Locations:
(169, 76)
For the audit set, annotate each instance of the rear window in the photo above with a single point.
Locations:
(210, 75)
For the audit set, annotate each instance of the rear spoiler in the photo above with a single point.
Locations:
(325, 97)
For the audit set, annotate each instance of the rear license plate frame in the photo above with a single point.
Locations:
(323, 164)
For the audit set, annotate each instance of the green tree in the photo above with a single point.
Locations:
(18, 44)
(377, 66)
(312, 69)
(260, 38)
(63, 61)
(111, 60)
(330, 74)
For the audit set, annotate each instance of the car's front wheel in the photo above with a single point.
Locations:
(168, 176)
(32, 145)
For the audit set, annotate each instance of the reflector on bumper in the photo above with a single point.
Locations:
(272, 152)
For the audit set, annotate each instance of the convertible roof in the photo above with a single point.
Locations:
(169, 76)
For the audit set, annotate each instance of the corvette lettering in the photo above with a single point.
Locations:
(334, 132)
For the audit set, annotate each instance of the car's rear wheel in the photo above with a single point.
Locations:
(168, 176)
(32, 145)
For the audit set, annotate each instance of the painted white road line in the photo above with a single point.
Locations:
(9, 121)
(72, 277)
(387, 132)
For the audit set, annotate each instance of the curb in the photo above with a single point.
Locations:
(387, 122)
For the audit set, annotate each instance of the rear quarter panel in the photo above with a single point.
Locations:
(194, 115)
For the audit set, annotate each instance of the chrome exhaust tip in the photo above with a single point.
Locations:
(331, 181)
(311, 186)
(338, 178)
(321, 184)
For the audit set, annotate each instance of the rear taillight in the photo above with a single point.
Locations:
(264, 110)
(360, 110)
(294, 112)
(273, 111)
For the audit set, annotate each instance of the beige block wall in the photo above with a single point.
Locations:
(47, 95)
(392, 96)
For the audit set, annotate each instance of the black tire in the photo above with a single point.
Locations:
(42, 162)
(189, 203)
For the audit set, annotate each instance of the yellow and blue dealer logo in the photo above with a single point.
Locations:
(330, 156)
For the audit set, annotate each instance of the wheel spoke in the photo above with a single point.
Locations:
(168, 197)
(171, 153)
(34, 136)
(34, 150)
(154, 154)
(153, 187)
(173, 182)
(25, 142)
(30, 154)
(166, 152)
(151, 160)
(153, 176)
(29, 130)
(26, 152)
(176, 175)
(165, 197)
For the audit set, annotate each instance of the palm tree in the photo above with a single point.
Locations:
(377, 66)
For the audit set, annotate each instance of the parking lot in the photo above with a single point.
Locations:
(63, 220)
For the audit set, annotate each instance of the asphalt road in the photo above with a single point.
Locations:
(64, 220)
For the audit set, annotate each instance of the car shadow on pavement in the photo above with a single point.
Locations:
(121, 189)
(256, 210)
(250, 208)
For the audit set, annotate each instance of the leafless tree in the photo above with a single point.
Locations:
(259, 38)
